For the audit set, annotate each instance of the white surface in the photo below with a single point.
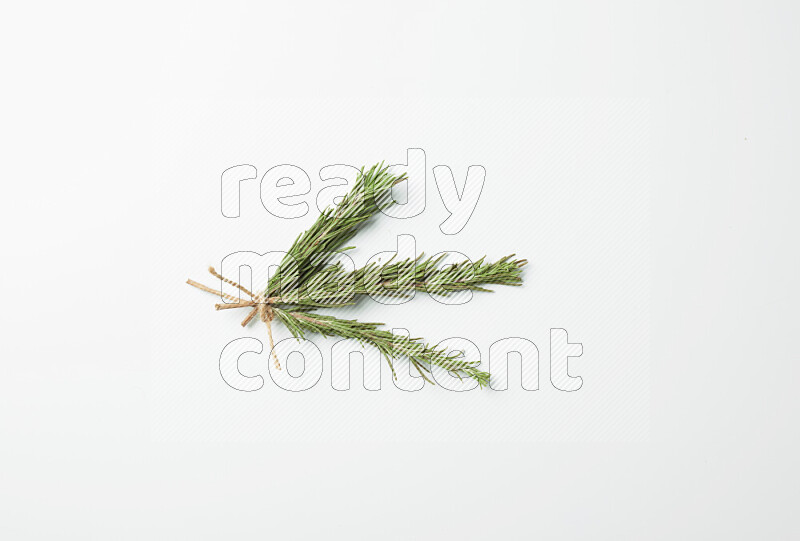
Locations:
(117, 125)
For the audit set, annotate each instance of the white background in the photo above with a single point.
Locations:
(109, 114)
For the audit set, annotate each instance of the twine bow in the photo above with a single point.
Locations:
(261, 305)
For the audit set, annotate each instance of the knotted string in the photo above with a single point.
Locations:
(266, 313)
(261, 306)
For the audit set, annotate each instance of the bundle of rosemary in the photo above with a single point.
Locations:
(307, 279)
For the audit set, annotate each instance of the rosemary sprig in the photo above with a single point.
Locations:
(334, 227)
(390, 345)
(332, 287)
(307, 280)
